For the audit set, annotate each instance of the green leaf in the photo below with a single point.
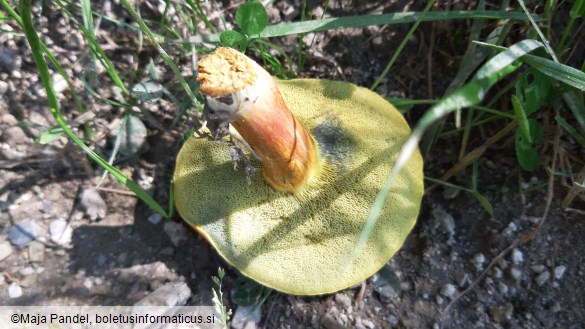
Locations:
(578, 9)
(532, 90)
(234, 40)
(526, 152)
(50, 135)
(252, 18)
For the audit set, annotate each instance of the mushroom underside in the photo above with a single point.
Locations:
(304, 245)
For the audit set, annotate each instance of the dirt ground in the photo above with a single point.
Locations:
(117, 251)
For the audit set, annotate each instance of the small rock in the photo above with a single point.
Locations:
(344, 301)
(155, 218)
(29, 280)
(538, 268)
(174, 293)
(246, 317)
(502, 288)
(439, 300)
(393, 320)
(101, 260)
(36, 252)
(446, 220)
(59, 83)
(542, 278)
(478, 261)
(95, 207)
(496, 272)
(26, 271)
(501, 313)
(461, 279)
(14, 291)
(87, 283)
(559, 271)
(555, 307)
(175, 231)
(329, 322)
(5, 250)
(448, 290)
(515, 274)
(23, 233)
(61, 232)
(517, 256)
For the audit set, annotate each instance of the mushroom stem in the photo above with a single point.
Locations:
(235, 85)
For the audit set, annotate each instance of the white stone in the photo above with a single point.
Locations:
(517, 256)
(5, 250)
(61, 232)
(14, 291)
(542, 278)
(448, 290)
(560, 271)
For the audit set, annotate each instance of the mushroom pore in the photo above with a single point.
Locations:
(325, 149)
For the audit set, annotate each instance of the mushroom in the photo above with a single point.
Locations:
(325, 148)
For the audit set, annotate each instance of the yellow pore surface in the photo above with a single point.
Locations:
(305, 245)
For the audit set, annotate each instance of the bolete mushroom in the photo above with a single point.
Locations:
(325, 149)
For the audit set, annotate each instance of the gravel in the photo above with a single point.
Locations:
(24, 232)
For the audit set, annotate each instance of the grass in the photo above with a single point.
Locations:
(528, 68)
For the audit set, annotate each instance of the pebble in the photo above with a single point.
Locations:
(496, 272)
(176, 232)
(538, 268)
(174, 293)
(555, 307)
(502, 288)
(448, 290)
(344, 301)
(93, 203)
(501, 313)
(517, 256)
(61, 232)
(393, 320)
(515, 273)
(101, 260)
(5, 250)
(542, 278)
(88, 284)
(462, 279)
(26, 271)
(560, 271)
(328, 322)
(446, 220)
(23, 233)
(155, 218)
(36, 252)
(247, 317)
(14, 291)
(478, 261)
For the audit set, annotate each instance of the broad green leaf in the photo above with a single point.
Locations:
(252, 18)
(233, 39)
(532, 90)
(526, 152)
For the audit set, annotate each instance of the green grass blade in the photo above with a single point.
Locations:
(571, 131)
(576, 104)
(472, 93)
(370, 20)
(37, 53)
(561, 72)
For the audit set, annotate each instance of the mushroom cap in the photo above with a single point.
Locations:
(304, 245)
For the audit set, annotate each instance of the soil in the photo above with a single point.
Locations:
(119, 253)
